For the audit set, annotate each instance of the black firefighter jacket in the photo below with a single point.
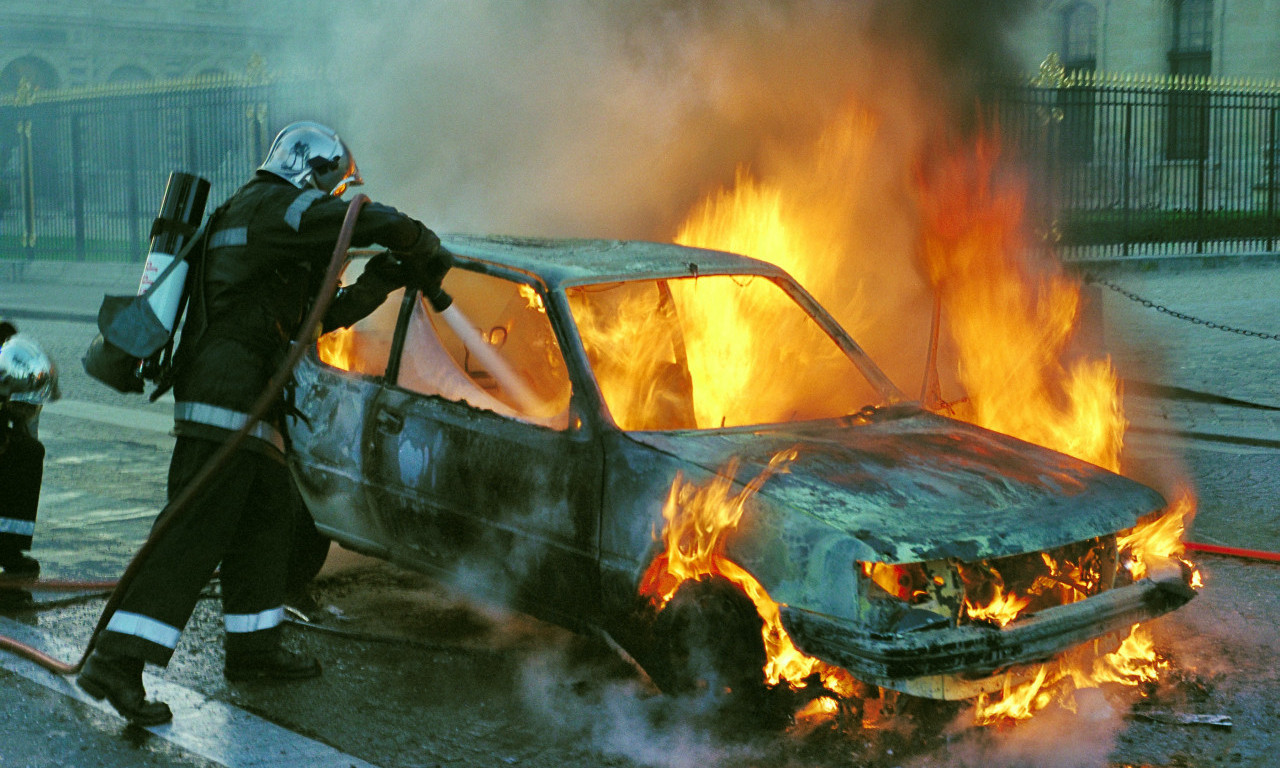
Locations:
(268, 248)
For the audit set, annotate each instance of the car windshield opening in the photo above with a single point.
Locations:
(713, 351)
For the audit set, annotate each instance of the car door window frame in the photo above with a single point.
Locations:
(395, 362)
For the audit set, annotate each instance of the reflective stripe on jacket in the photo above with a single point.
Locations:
(268, 248)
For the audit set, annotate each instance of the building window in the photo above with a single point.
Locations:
(1079, 55)
(36, 71)
(129, 74)
(1080, 38)
(1190, 56)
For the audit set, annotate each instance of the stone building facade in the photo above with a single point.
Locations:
(73, 44)
(1225, 39)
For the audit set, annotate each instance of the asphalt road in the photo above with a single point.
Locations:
(419, 675)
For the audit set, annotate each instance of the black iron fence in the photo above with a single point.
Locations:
(82, 172)
(1124, 165)
(1147, 165)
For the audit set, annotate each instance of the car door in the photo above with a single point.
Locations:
(485, 471)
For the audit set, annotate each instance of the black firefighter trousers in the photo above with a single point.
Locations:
(21, 472)
(242, 519)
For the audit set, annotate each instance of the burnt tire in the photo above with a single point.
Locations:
(708, 639)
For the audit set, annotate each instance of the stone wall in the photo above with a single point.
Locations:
(1134, 36)
(95, 42)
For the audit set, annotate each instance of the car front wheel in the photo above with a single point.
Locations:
(708, 638)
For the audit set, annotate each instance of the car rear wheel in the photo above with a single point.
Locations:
(708, 639)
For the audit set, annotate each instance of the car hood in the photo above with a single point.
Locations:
(915, 486)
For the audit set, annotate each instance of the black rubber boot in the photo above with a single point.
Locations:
(278, 664)
(17, 565)
(14, 600)
(118, 679)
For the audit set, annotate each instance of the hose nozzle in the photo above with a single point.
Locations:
(440, 301)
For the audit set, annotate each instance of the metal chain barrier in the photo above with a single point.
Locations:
(1179, 315)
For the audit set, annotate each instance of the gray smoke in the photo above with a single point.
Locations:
(581, 118)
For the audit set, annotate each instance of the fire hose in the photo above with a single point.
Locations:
(173, 510)
(1247, 554)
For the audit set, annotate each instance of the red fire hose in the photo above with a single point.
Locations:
(173, 509)
(1249, 554)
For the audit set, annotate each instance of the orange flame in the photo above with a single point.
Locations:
(799, 219)
(338, 348)
(1003, 608)
(1135, 661)
(697, 521)
(1161, 537)
(1011, 323)
(1012, 320)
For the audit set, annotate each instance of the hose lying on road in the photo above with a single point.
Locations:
(172, 511)
(1247, 554)
(57, 585)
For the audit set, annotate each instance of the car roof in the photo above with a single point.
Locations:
(558, 261)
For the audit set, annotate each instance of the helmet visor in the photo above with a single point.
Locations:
(342, 174)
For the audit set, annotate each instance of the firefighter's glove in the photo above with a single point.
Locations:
(426, 264)
(384, 273)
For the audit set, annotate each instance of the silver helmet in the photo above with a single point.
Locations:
(308, 154)
(27, 375)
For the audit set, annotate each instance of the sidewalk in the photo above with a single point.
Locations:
(1206, 423)
(62, 290)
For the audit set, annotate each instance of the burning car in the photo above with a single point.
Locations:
(594, 433)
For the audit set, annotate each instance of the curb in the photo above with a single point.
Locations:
(97, 274)
(1174, 262)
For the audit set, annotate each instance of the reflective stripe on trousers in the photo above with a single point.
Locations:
(254, 622)
(137, 625)
(225, 418)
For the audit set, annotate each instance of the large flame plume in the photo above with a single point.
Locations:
(1016, 366)
(1012, 318)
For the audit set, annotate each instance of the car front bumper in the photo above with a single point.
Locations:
(961, 662)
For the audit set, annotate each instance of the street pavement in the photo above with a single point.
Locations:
(464, 707)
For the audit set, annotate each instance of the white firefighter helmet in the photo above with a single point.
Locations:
(27, 375)
(307, 154)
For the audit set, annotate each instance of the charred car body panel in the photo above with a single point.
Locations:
(546, 501)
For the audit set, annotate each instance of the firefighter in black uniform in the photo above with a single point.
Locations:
(28, 379)
(264, 261)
